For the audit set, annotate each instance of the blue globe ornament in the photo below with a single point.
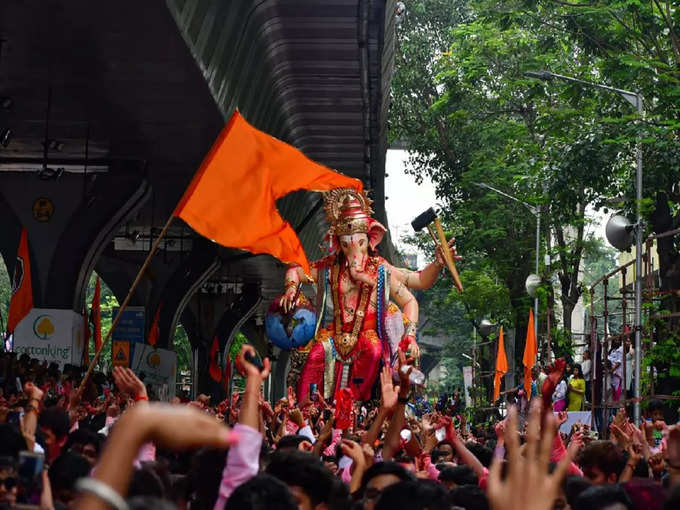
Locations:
(294, 329)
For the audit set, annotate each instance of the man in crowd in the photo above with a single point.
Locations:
(383, 461)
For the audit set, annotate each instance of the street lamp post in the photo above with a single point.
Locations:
(635, 99)
(536, 211)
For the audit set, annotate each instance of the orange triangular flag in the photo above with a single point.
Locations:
(232, 198)
(154, 332)
(21, 302)
(96, 315)
(530, 351)
(501, 366)
(213, 367)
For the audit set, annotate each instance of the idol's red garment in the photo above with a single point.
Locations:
(365, 363)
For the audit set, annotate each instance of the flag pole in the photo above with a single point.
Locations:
(125, 302)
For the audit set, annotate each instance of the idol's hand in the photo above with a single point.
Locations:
(439, 256)
(288, 301)
(414, 350)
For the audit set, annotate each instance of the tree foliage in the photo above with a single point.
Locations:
(467, 110)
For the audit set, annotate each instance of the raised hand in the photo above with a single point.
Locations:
(319, 398)
(451, 435)
(555, 372)
(439, 256)
(288, 301)
(369, 454)
(577, 440)
(326, 431)
(33, 392)
(353, 450)
(266, 408)
(175, 427)
(426, 422)
(623, 439)
(296, 417)
(657, 463)
(128, 382)
(528, 485)
(562, 418)
(499, 429)
(414, 349)
(404, 381)
(248, 369)
(430, 442)
(388, 392)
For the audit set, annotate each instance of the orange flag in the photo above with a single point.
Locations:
(501, 366)
(214, 368)
(21, 302)
(232, 198)
(154, 332)
(96, 315)
(530, 351)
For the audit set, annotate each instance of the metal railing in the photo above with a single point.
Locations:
(601, 338)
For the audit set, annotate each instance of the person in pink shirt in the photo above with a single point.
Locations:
(243, 458)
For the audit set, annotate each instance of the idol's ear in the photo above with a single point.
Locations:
(376, 231)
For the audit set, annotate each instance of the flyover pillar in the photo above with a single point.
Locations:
(69, 219)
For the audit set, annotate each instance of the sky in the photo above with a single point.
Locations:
(405, 198)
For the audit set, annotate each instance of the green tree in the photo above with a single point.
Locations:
(633, 45)
(489, 123)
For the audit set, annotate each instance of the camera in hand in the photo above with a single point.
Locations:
(254, 360)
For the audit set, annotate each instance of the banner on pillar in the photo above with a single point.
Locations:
(130, 327)
(157, 368)
(51, 335)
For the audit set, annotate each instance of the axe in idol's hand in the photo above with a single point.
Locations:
(425, 220)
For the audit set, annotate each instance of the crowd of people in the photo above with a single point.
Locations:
(104, 445)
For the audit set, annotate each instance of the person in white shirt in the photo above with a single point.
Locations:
(586, 367)
(559, 396)
(630, 353)
(616, 359)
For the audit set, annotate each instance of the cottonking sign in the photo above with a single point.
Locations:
(51, 335)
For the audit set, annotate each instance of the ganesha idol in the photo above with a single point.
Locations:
(374, 312)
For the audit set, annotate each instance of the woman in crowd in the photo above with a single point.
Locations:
(577, 390)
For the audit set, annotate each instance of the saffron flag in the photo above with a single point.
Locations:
(21, 301)
(214, 368)
(154, 332)
(232, 197)
(530, 351)
(501, 366)
(86, 338)
(96, 315)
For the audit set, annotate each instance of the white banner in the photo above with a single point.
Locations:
(575, 417)
(157, 368)
(51, 334)
(467, 384)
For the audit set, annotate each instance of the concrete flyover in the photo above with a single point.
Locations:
(113, 106)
